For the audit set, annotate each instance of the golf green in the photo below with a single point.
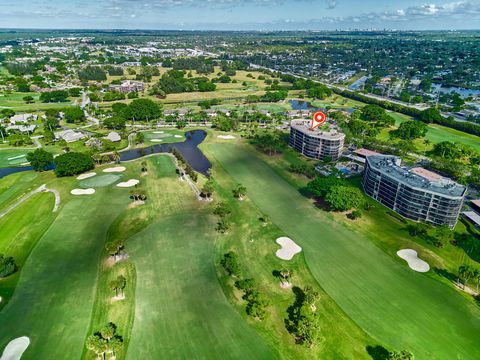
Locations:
(53, 300)
(100, 181)
(181, 311)
(400, 308)
(163, 136)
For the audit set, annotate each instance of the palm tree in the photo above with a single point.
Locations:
(476, 276)
(96, 344)
(116, 156)
(285, 276)
(115, 345)
(144, 166)
(114, 286)
(465, 272)
(239, 192)
(426, 142)
(311, 297)
(114, 248)
(121, 282)
(108, 331)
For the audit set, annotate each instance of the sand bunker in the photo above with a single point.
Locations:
(226, 137)
(115, 169)
(129, 183)
(158, 132)
(178, 136)
(82, 191)
(15, 348)
(156, 140)
(414, 262)
(86, 176)
(288, 250)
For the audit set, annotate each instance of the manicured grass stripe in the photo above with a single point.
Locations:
(52, 303)
(181, 311)
(400, 308)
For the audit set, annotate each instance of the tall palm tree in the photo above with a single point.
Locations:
(426, 142)
(476, 276)
(122, 282)
(108, 331)
(114, 286)
(465, 272)
(115, 345)
(116, 156)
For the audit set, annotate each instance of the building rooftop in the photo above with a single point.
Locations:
(365, 152)
(476, 202)
(418, 178)
(304, 126)
(473, 217)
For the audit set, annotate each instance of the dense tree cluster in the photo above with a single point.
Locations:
(54, 96)
(302, 319)
(72, 163)
(40, 159)
(105, 341)
(270, 142)
(92, 73)
(201, 64)
(174, 81)
(337, 193)
(376, 113)
(74, 115)
(410, 130)
(7, 266)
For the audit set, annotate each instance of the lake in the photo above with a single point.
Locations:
(189, 149)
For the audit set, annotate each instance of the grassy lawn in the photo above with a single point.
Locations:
(15, 186)
(53, 300)
(379, 293)
(14, 157)
(171, 234)
(436, 133)
(163, 136)
(19, 232)
(254, 242)
(185, 314)
(15, 102)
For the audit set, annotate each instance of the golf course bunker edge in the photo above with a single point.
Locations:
(414, 262)
(15, 348)
(288, 250)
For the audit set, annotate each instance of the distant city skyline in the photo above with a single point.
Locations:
(241, 14)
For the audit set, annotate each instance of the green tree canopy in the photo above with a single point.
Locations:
(72, 163)
(40, 159)
(342, 198)
(410, 130)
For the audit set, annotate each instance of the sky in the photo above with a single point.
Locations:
(241, 14)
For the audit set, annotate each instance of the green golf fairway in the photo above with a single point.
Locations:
(12, 157)
(180, 306)
(53, 300)
(400, 308)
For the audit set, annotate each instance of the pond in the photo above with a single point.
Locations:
(306, 105)
(301, 105)
(189, 149)
(463, 92)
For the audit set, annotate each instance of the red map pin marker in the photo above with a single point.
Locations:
(319, 118)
